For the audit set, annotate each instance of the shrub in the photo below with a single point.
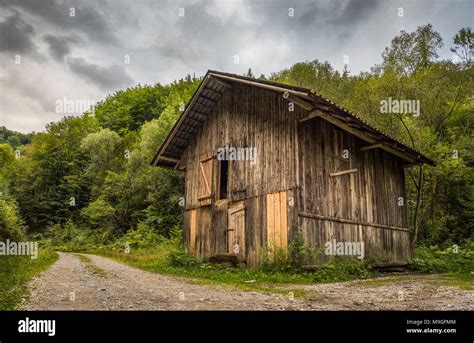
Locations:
(10, 221)
(70, 237)
(341, 268)
(297, 251)
(179, 258)
(143, 236)
(433, 259)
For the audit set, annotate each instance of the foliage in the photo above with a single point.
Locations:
(49, 182)
(452, 259)
(143, 236)
(11, 223)
(412, 50)
(464, 44)
(180, 258)
(14, 139)
(128, 110)
(297, 250)
(101, 148)
(341, 268)
(16, 271)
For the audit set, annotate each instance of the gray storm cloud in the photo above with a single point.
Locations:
(82, 56)
(17, 36)
(107, 78)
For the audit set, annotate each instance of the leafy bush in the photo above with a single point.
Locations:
(297, 250)
(143, 236)
(180, 258)
(70, 237)
(341, 268)
(433, 259)
(10, 221)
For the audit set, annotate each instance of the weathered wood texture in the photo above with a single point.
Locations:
(277, 224)
(295, 158)
(370, 195)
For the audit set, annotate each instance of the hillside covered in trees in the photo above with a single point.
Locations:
(88, 179)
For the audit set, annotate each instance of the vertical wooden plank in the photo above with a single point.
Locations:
(192, 233)
(270, 225)
(284, 223)
(276, 209)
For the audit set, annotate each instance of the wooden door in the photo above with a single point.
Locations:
(236, 231)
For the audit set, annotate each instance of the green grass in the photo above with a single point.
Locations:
(91, 268)
(462, 280)
(435, 260)
(16, 271)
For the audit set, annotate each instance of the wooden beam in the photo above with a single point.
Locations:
(261, 85)
(297, 100)
(343, 172)
(207, 89)
(350, 221)
(204, 197)
(347, 160)
(313, 114)
(207, 98)
(195, 121)
(200, 114)
(412, 164)
(343, 125)
(169, 159)
(373, 146)
(223, 83)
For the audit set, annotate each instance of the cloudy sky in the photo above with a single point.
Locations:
(51, 50)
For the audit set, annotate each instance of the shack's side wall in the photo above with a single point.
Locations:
(374, 194)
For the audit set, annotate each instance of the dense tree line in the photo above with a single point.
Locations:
(14, 139)
(93, 171)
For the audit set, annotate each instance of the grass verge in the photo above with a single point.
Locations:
(463, 281)
(16, 271)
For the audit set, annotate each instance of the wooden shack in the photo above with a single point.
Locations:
(294, 161)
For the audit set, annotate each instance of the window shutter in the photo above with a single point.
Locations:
(205, 179)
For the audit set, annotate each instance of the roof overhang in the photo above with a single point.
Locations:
(214, 84)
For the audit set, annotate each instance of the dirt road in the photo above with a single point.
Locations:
(97, 283)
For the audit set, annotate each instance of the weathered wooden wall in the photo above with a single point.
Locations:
(244, 117)
(295, 158)
(369, 196)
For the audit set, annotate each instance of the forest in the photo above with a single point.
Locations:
(86, 181)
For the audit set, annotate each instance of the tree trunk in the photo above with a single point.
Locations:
(416, 215)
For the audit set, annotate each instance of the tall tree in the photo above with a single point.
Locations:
(410, 51)
(464, 45)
